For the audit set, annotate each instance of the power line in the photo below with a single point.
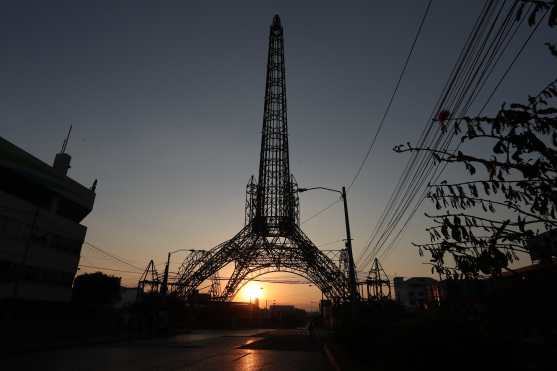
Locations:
(329, 243)
(513, 61)
(426, 131)
(439, 173)
(479, 113)
(320, 211)
(479, 85)
(434, 171)
(385, 113)
(121, 260)
(427, 166)
(107, 269)
(388, 108)
(462, 79)
(455, 93)
(402, 181)
(420, 174)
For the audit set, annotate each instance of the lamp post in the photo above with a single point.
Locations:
(164, 285)
(351, 270)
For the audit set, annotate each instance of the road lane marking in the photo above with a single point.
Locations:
(242, 356)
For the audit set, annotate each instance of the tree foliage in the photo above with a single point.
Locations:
(96, 289)
(512, 197)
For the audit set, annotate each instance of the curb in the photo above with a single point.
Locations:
(331, 358)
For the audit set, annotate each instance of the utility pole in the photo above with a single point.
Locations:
(351, 270)
(164, 286)
(352, 285)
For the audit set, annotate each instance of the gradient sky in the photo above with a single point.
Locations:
(166, 103)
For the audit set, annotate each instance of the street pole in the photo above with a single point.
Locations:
(164, 286)
(353, 289)
(351, 270)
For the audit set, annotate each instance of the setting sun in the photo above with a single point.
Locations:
(252, 292)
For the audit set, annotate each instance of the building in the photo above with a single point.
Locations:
(128, 296)
(281, 309)
(527, 284)
(286, 316)
(416, 292)
(41, 210)
(543, 247)
(286, 312)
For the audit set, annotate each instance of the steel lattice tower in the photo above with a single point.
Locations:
(274, 207)
(271, 239)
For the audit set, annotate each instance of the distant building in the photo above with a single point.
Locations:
(543, 247)
(285, 311)
(276, 308)
(41, 209)
(286, 315)
(525, 284)
(416, 292)
(128, 296)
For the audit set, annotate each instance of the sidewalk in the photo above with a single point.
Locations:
(33, 343)
(339, 358)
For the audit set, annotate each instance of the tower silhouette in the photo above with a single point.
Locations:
(271, 239)
(274, 213)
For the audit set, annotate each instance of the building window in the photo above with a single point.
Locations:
(10, 272)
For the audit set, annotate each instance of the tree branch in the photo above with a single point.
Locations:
(510, 206)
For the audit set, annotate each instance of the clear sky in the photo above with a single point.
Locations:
(166, 103)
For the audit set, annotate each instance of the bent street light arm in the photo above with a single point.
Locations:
(175, 251)
(300, 190)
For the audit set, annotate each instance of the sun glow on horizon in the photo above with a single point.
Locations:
(280, 288)
(252, 291)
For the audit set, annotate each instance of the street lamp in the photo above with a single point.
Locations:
(164, 285)
(351, 270)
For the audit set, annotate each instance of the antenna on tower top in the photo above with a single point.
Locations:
(62, 159)
(65, 143)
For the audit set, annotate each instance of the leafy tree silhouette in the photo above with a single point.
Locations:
(96, 289)
(520, 177)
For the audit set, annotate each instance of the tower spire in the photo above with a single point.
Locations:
(276, 21)
(274, 205)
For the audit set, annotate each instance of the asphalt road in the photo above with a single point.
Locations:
(289, 350)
